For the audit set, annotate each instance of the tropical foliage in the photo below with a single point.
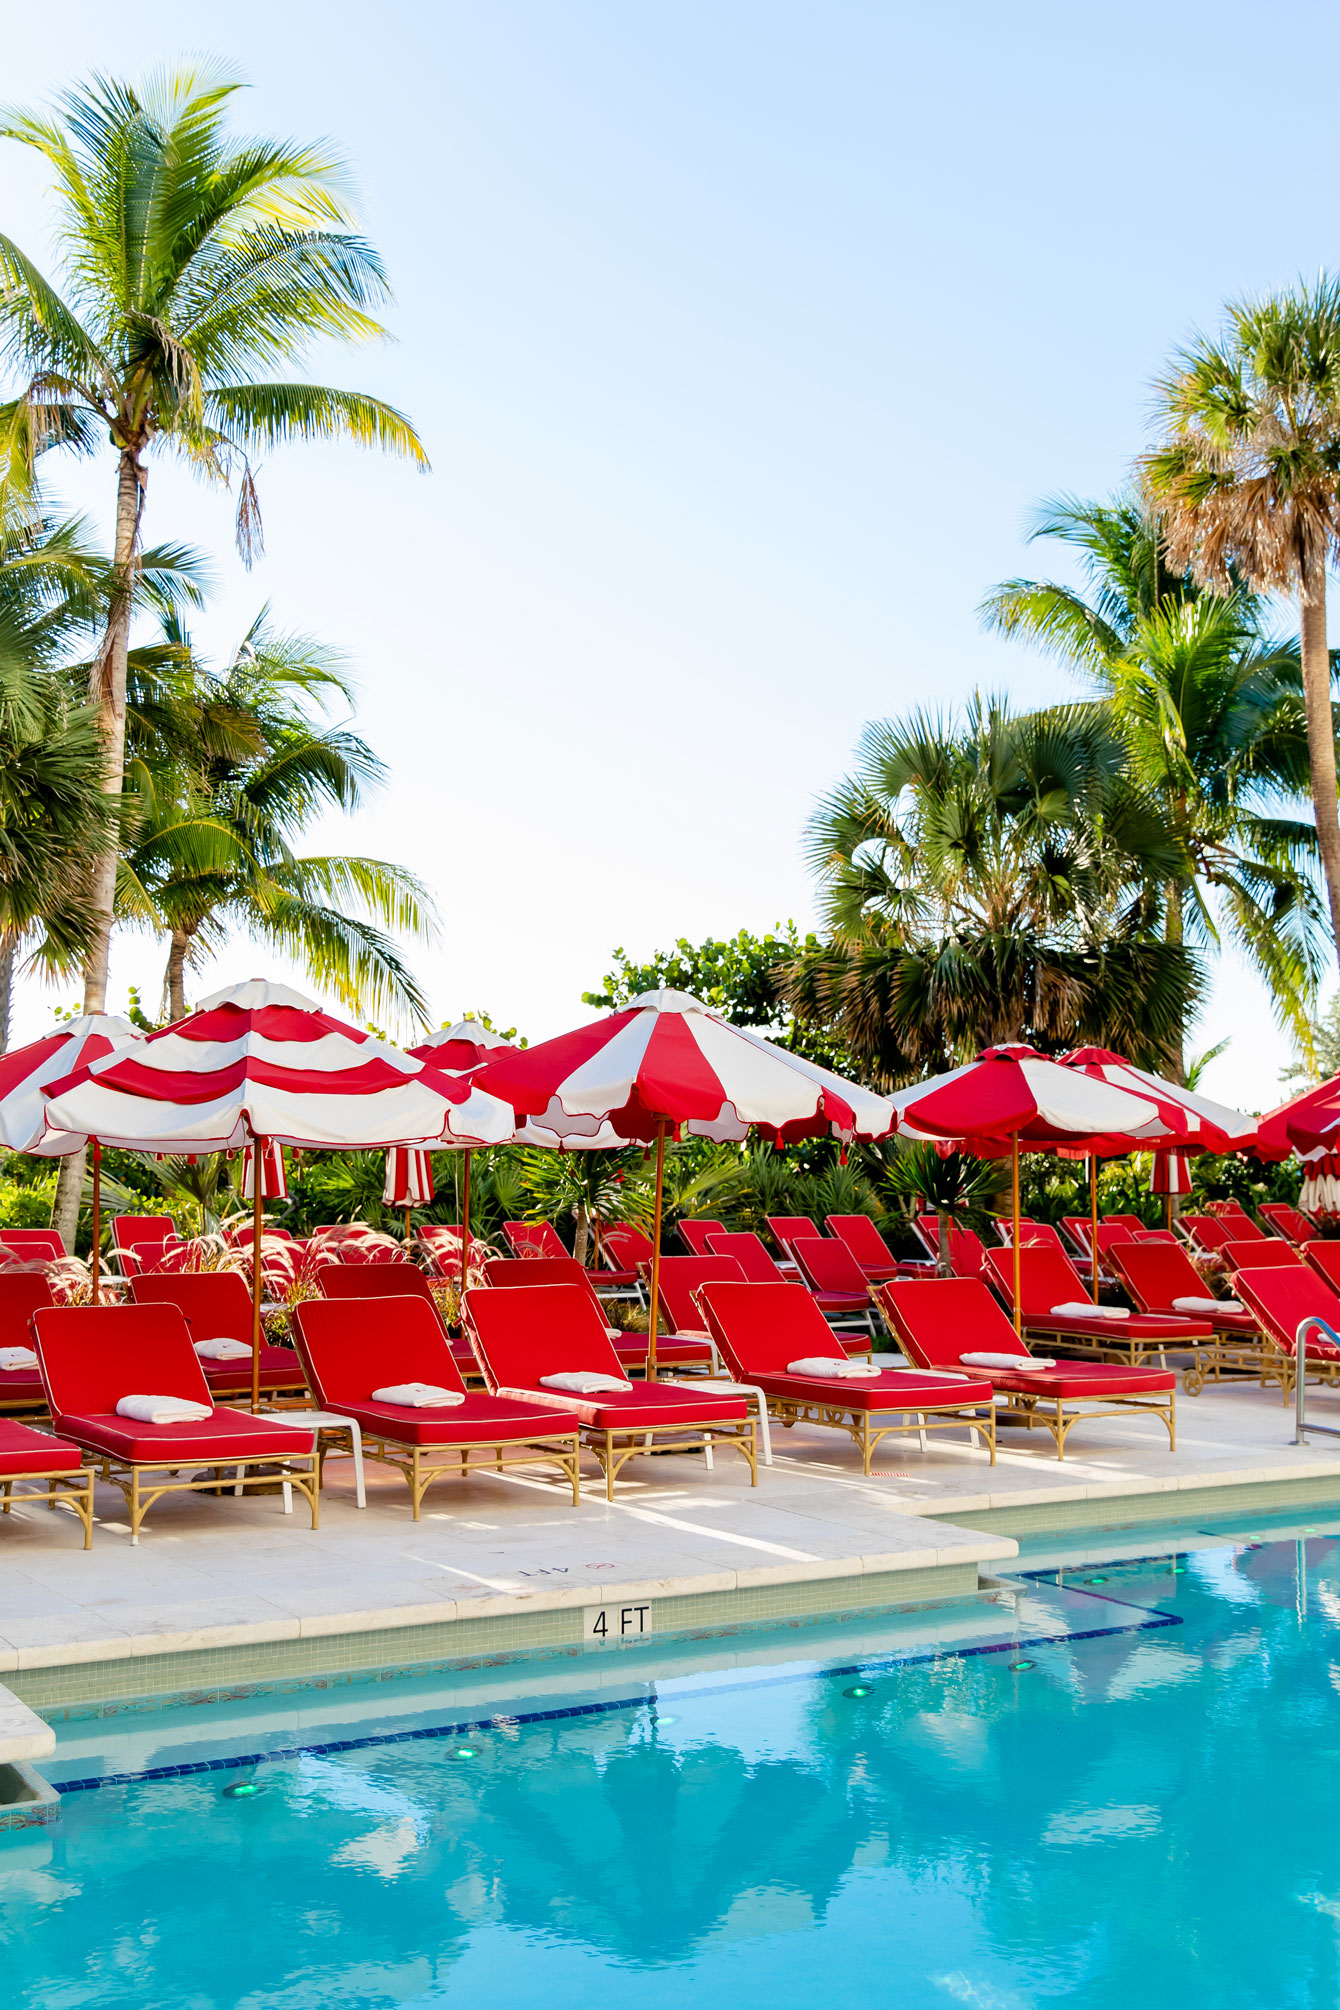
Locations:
(1208, 706)
(993, 878)
(194, 263)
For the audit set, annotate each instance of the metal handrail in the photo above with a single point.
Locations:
(1300, 1338)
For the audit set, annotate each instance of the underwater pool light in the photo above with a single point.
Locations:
(1018, 1667)
(241, 1790)
(860, 1689)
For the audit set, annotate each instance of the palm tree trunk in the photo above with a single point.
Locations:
(581, 1233)
(176, 974)
(9, 950)
(69, 1193)
(1321, 729)
(945, 1265)
(108, 692)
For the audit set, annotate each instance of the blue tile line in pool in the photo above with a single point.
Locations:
(1154, 1619)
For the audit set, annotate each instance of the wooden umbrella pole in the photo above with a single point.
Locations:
(465, 1222)
(407, 1215)
(97, 1216)
(656, 1253)
(257, 1220)
(1014, 1196)
(1093, 1219)
(1167, 1210)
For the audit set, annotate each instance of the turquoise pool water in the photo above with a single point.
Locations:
(1140, 1805)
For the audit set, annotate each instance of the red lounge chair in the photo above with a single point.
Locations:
(1047, 1277)
(1290, 1222)
(441, 1242)
(383, 1281)
(1324, 1257)
(352, 1346)
(216, 1305)
(631, 1348)
(785, 1228)
(866, 1244)
(1130, 1221)
(624, 1253)
(1156, 1274)
(761, 1327)
(694, 1234)
(1110, 1233)
(28, 1456)
(1284, 1295)
(130, 1235)
(680, 1278)
(940, 1319)
(534, 1238)
(92, 1356)
(746, 1249)
(1259, 1253)
(1031, 1233)
(967, 1251)
(21, 1293)
(37, 1245)
(1205, 1232)
(516, 1349)
(835, 1279)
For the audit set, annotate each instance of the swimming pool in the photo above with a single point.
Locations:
(1138, 1803)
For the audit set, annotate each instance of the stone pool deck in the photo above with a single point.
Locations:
(225, 1595)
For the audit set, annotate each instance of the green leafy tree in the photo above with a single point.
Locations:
(962, 1192)
(1247, 478)
(194, 264)
(226, 770)
(1208, 707)
(993, 879)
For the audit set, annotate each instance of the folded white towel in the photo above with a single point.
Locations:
(1073, 1307)
(835, 1365)
(419, 1396)
(584, 1382)
(17, 1357)
(1208, 1305)
(1022, 1363)
(223, 1350)
(163, 1409)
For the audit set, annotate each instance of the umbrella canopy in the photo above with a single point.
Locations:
(464, 1045)
(25, 1072)
(1206, 1125)
(1014, 1091)
(1313, 1124)
(1274, 1137)
(262, 1061)
(667, 1062)
(1320, 1191)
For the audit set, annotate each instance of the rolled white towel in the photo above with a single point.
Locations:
(584, 1382)
(17, 1357)
(1023, 1364)
(1072, 1308)
(1194, 1305)
(163, 1409)
(826, 1365)
(223, 1350)
(419, 1396)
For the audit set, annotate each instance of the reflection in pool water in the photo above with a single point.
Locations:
(1148, 1814)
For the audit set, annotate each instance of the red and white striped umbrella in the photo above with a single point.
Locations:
(1206, 1125)
(262, 1061)
(409, 1178)
(274, 1180)
(1171, 1173)
(25, 1072)
(669, 1063)
(1320, 1191)
(457, 1048)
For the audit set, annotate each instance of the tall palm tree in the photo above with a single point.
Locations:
(992, 880)
(225, 772)
(1248, 478)
(1208, 707)
(193, 261)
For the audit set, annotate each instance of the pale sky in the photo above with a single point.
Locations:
(743, 336)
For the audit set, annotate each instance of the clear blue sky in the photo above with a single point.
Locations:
(743, 337)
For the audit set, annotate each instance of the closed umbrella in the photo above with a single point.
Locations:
(666, 1065)
(260, 1065)
(458, 1050)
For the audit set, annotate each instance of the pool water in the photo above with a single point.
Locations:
(1139, 1805)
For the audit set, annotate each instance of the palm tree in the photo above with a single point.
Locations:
(1248, 479)
(1208, 707)
(988, 881)
(193, 261)
(225, 772)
